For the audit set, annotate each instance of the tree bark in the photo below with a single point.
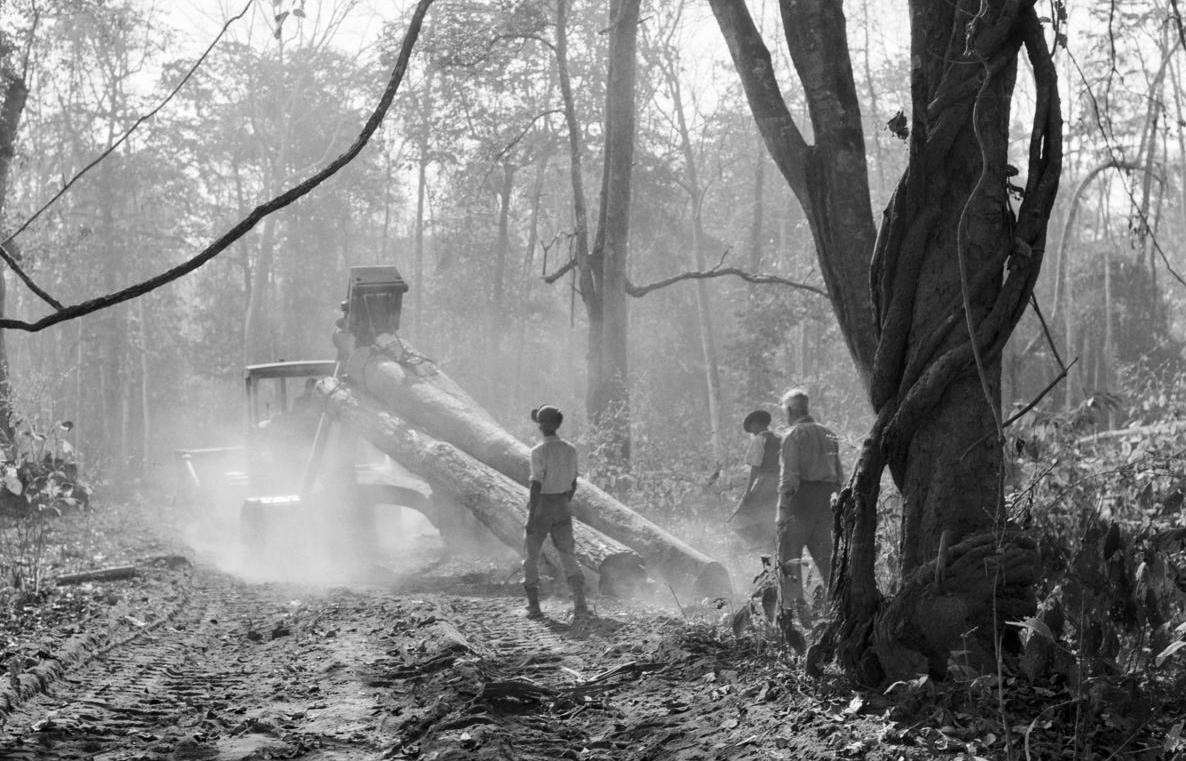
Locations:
(502, 247)
(418, 392)
(16, 93)
(497, 501)
(421, 191)
(608, 394)
(755, 229)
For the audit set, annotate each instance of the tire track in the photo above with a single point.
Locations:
(240, 670)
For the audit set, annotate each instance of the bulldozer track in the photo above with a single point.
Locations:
(510, 637)
(222, 679)
(75, 654)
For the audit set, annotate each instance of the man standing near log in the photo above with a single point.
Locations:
(553, 482)
(810, 474)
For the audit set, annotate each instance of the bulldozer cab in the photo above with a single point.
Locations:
(282, 415)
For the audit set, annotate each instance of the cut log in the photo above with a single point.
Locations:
(1165, 428)
(115, 573)
(494, 499)
(413, 388)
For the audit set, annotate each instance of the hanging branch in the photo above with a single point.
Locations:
(749, 277)
(638, 291)
(10, 259)
(259, 212)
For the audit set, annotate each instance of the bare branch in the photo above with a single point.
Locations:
(552, 278)
(259, 212)
(7, 256)
(523, 133)
(718, 271)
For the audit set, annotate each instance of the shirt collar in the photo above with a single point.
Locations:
(552, 437)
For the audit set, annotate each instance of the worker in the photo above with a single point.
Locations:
(810, 474)
(553, 483)
(344, 340)
(306, 403)
(758, 507)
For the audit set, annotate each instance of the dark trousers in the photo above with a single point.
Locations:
(804, 521)
(757, 513)
(550, 518)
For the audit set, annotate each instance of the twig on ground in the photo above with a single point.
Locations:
(677, 602)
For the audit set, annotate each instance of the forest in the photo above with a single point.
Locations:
(959, 227)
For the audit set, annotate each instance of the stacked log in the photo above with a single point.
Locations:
(499, 503)
(413, 387)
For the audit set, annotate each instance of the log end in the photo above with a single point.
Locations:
(622, 575)
(713, 581)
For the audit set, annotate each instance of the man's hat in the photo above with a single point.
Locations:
(761, 417)
(548, 414)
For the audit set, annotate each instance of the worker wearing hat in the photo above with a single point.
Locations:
(344, 340)
(553, 482)
(755, 514)
(810, 474)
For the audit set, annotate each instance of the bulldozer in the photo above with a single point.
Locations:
(294, 462)
(297, 459)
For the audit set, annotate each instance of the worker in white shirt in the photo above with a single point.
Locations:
(553, 482)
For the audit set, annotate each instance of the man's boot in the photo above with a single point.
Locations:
(580, 609)
(533, 610)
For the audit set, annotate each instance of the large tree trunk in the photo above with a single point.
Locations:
(499, 503)
(608, 394)
(13, 106)
(424, 396)
(421, 193)
(951, 274)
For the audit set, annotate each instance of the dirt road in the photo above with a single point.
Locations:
(255, 671)
(238, 671)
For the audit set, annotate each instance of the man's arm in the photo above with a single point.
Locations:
(755, 453)
(535, 484)
(749, 486)
(572, 492)
(788, 482)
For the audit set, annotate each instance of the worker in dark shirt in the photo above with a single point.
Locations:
(754, 518)
(553, 483)
(810, 474)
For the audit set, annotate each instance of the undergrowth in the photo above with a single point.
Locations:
(39, 480)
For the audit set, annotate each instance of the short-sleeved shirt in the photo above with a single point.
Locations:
(554, 465)
(810, 452)
(763, 451)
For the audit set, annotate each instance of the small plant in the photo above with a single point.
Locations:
(39, 480)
